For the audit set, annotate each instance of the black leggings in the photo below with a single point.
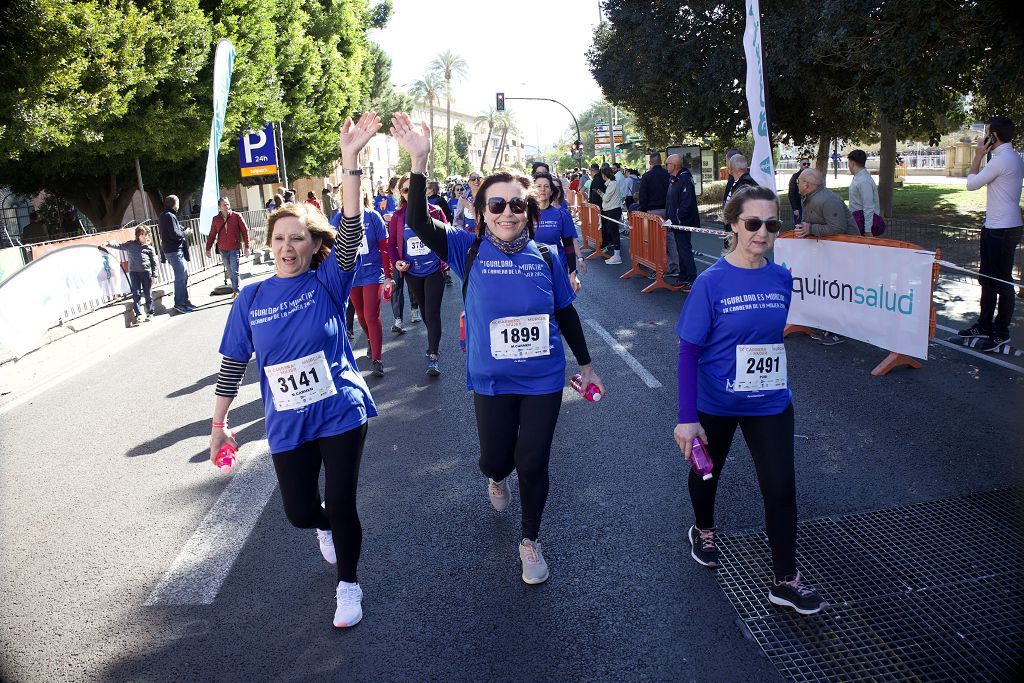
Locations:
(515, 434)
(429, 291)
(609, 230)
(770, 440)
(298, 473)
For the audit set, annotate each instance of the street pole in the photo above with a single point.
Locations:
(835, 159)
(284, 164)
(611, 136)
(579, 137)
(142, 190)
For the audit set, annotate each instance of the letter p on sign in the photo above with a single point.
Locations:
(253, 141)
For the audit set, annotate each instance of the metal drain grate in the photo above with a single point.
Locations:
(931, 591)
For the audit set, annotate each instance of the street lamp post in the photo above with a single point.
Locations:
(579, 136)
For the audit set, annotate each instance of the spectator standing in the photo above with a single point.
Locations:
(230, 231)
(611, 211)
(70, 225)
(652, 194)
(434, 198)
(864, 205)
(794, 190)
(174, 249)
(312, 201)
(596, 189)
(824, 214)
(289, 196)
(1003, 175)
(574, 184)
(35, 230)
(141, 272)
(329, 203)
(681, 209)
(729, 180)
(739, 174)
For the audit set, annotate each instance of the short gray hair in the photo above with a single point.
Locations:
(737, 162)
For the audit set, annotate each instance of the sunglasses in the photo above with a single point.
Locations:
(475, 179)
(496, 205)
(772, 225)
(459, 188)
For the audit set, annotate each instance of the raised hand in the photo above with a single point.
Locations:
(354, 136)
(416, 143)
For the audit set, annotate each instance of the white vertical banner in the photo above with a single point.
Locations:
(762, 168)
(223, 63)
(879, 295)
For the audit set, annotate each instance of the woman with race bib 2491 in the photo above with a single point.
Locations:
(518, 303)
(314, 396)
(732, 372)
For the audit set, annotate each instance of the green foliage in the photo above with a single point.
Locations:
(382, 96)
(460, 137)
(90, 86)
(380, 14)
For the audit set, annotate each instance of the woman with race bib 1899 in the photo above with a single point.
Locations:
(315, 399)
(518, 302)
(732, 372)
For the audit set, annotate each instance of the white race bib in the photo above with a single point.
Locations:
(520, 337)
(364, 246)
(300, 382)
(760, 367)
(415, 247)
(468, 213)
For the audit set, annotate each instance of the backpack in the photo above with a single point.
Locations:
(470, 259)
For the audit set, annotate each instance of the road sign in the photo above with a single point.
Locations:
(257, 153)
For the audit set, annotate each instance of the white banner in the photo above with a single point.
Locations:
(879, 295)
(223, 62)
(762, 168)
(55, 287)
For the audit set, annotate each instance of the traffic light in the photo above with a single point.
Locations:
(500, 102)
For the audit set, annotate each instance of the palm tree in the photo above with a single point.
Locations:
(428, 89)
(490, 117)
(448, 66)
(507, 126)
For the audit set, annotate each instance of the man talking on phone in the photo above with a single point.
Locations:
(1003, 175)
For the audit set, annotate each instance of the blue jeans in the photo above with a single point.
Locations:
(231, 264)
(142, 285)
(177, 261)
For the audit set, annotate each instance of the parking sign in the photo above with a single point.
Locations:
(257, 153)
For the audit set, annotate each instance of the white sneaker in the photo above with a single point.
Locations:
(415, 315)
(326, 539)
(615, 259)
(535, 569)
(497, 492)
(350, 605)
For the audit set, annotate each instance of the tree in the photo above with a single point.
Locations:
(428, 89)
(507, 125)
(382, 96)
(490, 117)
(461, 136)
(448, 66)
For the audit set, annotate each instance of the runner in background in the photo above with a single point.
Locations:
(732, 371)
(420, 268)
(517, 304)
(465, 214)
(558, 197)
(316, 402)
(368, 285)
(555, 227)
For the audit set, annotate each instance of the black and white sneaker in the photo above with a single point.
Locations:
(972, 332)
(993, 343)
(793, 593)
(703, 548)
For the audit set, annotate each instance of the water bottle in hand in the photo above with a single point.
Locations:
(226, 457)
(592, 393)
(700, 461)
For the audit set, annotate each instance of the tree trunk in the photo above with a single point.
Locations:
(487, 143)
(501, 149)
(448, 134)
(886, 165)
(103, 203)
(821, 159)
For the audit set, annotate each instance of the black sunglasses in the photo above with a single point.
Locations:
(772, 225)
(475, 179)
(496, 205)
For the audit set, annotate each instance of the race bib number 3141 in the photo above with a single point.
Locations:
(300, 382)
(760, 367)
(520, 337)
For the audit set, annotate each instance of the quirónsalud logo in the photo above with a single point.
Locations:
(881, 298)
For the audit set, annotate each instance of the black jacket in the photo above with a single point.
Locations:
(681, 200)
(596, 184)
(172, 237)
(730, 188)
(794, 190)
(653, 188)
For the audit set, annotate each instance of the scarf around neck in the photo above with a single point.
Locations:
(510, 247)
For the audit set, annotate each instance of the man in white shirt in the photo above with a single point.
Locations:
(1003, 174)
(863, 193)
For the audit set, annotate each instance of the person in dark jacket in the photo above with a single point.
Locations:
(651, 197)
(596, 196)
(794, 190)
(738, 172)
(434, 197)
(681, 209)
(729, 180)
(174, 250)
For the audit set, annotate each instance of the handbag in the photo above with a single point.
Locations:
(877, 224)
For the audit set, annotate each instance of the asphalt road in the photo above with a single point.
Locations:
(104, 480)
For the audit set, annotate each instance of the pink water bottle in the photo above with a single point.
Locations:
(225, 458)
(592, 393)
(700, 461)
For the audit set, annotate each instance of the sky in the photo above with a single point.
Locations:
(507, 48)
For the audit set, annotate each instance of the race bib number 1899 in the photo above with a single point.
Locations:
(760, 367)
(520, 337)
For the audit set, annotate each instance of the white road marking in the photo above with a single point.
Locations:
(979, 355)
(625, 355)
(196, 575)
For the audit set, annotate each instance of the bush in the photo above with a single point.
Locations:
(714, 193)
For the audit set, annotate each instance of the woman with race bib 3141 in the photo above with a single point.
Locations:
(732, 372)
(518, 303)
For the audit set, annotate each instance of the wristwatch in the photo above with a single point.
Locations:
(352, 171)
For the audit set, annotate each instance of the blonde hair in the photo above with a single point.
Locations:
(312, 220)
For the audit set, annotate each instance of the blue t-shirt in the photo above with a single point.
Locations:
(452, 204)
(285, 319)
(422, 261)
(729, 306)
(554, 225)
(371, 269)
(505, 286)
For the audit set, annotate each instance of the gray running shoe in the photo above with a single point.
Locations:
(416, 315)
(498, 493)
(535, 569)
